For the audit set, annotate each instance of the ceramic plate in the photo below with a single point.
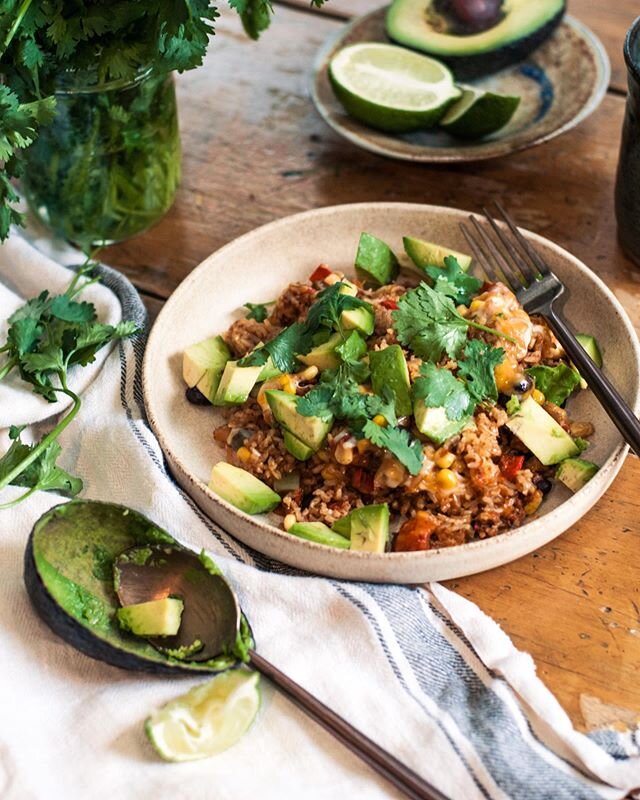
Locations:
(560, 84)
(257, 267)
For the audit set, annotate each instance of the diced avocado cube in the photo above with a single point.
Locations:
(203, 364)
(236, 384)
(242, 489)
(324, 356)
(367, 528)
(389, 368)
(311, 431)
(427, 254)
(375, 261)
(590, 344)
(318, 532)
(359, 319)
(348, 287)
(539, 431)
(435, 424)
(153, 618)
(297, 448)
(576, 472)
(269, 371)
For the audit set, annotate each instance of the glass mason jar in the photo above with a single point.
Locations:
(108, 166)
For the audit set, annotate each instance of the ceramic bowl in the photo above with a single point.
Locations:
(256, 268)
(559, 84)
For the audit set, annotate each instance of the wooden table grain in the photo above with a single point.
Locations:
(255, 150)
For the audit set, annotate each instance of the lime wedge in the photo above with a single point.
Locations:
(390, 88)
(207, 719)
(479, 113)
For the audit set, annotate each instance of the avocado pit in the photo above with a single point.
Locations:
(466, 17)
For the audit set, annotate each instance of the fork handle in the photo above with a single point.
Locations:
(612, 401)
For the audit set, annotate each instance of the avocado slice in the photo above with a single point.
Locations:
(427, 254)
(435, 424)
(590, 344)
(539, 431)
(203, 364)
(367, 528)
(311, 431)
(324, 356)
(359, 319)
(298, 449)
(431, 27)
(153, 618)
(389, 369)
(242, 489)
(375, 263)
(236, 384)
(576, 472)
(318, 532)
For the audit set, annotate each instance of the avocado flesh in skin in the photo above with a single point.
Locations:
(242, 489)
(203, 364)
(319, 533)
(523, 27)
(68, 573)
(153, 618)
(298, 449)
(236, 384)
(324, 356)
(576, 472)
(539, 431)
(427, 254)
(389, 369)
(367, 528)
(311, 431)
(375, 263)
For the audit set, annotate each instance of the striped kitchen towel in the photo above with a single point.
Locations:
(421, 670)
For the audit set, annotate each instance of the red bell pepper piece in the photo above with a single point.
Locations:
(320, 273)
(390, 304)
(362, 480)
(510, 465)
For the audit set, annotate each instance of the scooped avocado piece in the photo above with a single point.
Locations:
(203, 364)
(427, 254)
(236, 384)
(539, 431)
(318, 532)
(359, 319)
(311, 431)
(435, 424)
(242, 489)
(376, 263)
(389, 369)
(153, 618)
(324, 356)
(432, 27)
(590, 344)
(297, 448)
(576, 472)
(367, 528)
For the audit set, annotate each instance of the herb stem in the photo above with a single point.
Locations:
(16, 24)
(6, 369)
(18, 499)
(50, 437)
(492, 331)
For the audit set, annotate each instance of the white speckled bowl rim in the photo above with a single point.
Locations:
(161, 380)
(596, 69)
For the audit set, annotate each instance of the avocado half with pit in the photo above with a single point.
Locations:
(445, 29)
(69, 576)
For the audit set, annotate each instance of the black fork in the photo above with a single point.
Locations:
(505, 255)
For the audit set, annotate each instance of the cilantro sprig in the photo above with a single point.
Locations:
(397, 441)
(48, 336)
(339, 395)
(453, 281)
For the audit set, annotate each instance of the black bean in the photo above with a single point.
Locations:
(195, 396)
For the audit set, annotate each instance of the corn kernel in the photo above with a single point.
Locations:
(447, 479)
(362, 445)
(331, 279)
(445, 461)
(380, 420)
(309, 373)
(538, 396)
(244, 454)
(344, 453)
(288, 521)
(287, 384)
(476, 305)
(534, 504)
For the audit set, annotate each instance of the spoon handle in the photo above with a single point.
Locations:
(403, 778)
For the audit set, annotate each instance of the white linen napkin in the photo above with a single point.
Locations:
(422, 671)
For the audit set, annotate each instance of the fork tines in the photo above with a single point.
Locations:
(512, 256)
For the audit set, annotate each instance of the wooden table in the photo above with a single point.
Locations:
(255, 150)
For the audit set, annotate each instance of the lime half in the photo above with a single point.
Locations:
(207, 719)
(390, 88)
(479, 113)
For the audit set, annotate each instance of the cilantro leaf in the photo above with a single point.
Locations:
(257, 311)
(352, 349)
(292, 341)
(556, 383)
(329, 305)
(398, 441)
(339, 395)
(69, 310)
(317, 402)
(453, 281)
(480, 360)
(438, 387)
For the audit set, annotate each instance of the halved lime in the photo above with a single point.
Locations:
(207, 719)
(478, 113)
(390, 88)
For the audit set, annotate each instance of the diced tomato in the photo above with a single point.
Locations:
(362, 480)
(320, 273)
(390, 304)
(416, 532)
(510, 465)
